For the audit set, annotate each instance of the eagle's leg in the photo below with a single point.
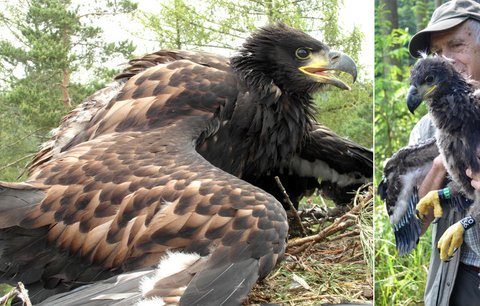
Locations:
(430, 201)
(450, 241)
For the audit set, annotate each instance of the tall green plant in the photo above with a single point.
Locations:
(47, 46)
(52, 41)
(398, 280)
(393, 122)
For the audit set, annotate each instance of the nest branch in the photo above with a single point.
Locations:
(344, 222)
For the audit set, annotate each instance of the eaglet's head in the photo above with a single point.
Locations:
(291, 59)
(432, 78)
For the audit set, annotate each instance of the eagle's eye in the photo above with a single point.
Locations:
(429, 78)
(303, 53)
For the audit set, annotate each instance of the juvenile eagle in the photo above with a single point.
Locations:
(162, 165)
(455, 111)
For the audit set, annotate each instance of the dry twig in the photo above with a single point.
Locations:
(292, 207)
(342, 223)
(24, 294)
(19, 291)
(16, 161)
(344, 235)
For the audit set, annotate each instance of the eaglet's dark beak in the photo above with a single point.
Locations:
(416, 95)
(320, 67)
(413, 99)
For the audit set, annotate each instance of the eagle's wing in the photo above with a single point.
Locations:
(79, 118)
(340, 164)
(402, 173)
(74, 123)
(131, 186)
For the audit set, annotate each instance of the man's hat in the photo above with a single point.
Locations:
(445, 17)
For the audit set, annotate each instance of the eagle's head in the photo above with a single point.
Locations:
(291, 60)
(430, 79)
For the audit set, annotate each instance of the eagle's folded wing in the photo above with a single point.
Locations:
(79, 118)
(131, 187)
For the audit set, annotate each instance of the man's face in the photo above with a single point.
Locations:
(460, 45)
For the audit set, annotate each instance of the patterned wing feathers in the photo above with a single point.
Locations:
(131, 186)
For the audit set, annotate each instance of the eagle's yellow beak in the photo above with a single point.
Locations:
(321, 66)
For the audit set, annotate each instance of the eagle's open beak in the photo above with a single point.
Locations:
(416, 95)
(320, 68)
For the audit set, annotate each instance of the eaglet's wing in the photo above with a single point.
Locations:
(403, 172)
(342, 165)
(130, 187)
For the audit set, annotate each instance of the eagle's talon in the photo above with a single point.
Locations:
(429, 201)
(417, 214)
(450, 241)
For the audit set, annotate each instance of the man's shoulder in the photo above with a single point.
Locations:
(422, 130)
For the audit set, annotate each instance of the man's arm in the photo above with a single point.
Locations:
(434, 180)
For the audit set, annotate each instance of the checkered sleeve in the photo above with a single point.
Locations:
(470, 254)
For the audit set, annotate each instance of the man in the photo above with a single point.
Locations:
(453, 32)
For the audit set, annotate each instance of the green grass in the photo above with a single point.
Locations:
(399, 280)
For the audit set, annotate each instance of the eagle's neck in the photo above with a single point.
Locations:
(456, 116)
(455, 108)
(261, 132)
(277, 131)
(263, 128)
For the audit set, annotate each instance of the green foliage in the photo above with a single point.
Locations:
(349, 113)
(5, 289)
(16, 144)
(51, 43)
(179, 25)
(399, 280)
(27, 95)
(393, 122)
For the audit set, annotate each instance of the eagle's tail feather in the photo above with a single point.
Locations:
(180, 278)
(242, 274)
(193, 277)
(20, 248)
(171, 278)
(16, 199)
(119, 290)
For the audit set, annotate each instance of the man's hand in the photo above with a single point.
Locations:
(475, 179)
(434, 180)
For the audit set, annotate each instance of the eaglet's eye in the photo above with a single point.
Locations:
(303, 53)
(429, 78)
